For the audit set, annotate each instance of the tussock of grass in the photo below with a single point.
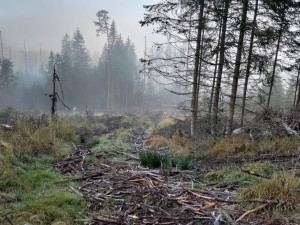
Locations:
(124, 134)
(240, 146)
(34, 140)
(127, 122)
(283, 187)
(165, 122)
(279, 145)
(144, 123)
(232, 146)
(153, 159)
(157, 142)
(7, 157)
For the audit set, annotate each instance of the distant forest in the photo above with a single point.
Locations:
(115, 84)
(224, 60)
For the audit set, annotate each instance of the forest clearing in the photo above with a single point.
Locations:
(122, 170)
(162, 112)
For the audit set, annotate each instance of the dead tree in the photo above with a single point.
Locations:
(55, 96)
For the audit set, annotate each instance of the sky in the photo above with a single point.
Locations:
(44, 22)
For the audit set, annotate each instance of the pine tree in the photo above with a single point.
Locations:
(80, 58)
(7, 75)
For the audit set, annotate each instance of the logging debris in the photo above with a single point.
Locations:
(129, 194)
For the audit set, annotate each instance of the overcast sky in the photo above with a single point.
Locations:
(46, 21)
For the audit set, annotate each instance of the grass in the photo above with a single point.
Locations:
(34, 195)
(30, 191)
(144, 123)
(235, 173)
(35, 139)
(283, 187)
(111, 143)
(124, 134)
(127, 122)
(153, 159)
(157, 142)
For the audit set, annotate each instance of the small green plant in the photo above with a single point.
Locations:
(94, 142)
(186, 163)
(109, 201)
(90, 159)
(153, 159)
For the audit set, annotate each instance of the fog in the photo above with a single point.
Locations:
(44, 22)
(40, 35)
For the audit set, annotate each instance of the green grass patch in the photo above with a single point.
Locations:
(32, 194)
(235, 173)
(111, 143)
(283, 187)
(153, 159)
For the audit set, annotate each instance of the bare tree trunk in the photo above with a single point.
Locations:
(298, 99)
(297, 87)
(1, 45)
(274, 68)
(220, 69)
(108, 103)
(194, 106)
(249, 61)
(215, 73)
(236, 74)
(54, 97)
(200, 70)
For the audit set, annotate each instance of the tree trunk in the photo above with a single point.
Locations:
(274, 68)
(236, 74)
(200, 70)
(215, 73)
(249, 61)
(297, 87)
(220, 69)
(194, 106)
(298, 99)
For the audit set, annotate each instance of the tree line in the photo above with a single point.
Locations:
(227, 55)
(115, 84)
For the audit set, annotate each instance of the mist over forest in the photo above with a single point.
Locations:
(108, 78)
(150, 112)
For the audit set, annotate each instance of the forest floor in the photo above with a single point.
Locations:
(120, 171)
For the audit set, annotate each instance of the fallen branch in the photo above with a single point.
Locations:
(206, 207)
(251, 211)
(105, 220)
(75, 191)
(255, 174)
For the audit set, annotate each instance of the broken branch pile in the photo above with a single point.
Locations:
(117, 195)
